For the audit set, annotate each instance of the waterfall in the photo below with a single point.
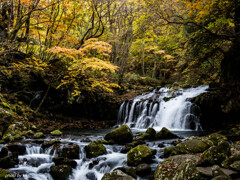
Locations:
(163, 108)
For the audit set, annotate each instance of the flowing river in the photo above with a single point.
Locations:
(161, 108)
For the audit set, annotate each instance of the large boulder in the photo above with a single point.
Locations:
(169, 167)
(60, 172)
(149, 134)
(195, 145)
(6, 162)
(216, 154)
(120, 135)
(117, 175)
(17, 147)
(70, 151)
(66, 161)
(94, 149)
(6, 175)
(3, 152)
(191, 145)
(165, 134)
(143, 169)
(140, 154)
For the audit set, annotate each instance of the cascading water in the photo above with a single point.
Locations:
(163, 108)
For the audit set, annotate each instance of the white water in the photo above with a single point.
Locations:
(150, 110)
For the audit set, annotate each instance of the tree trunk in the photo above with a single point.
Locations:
(43, 99)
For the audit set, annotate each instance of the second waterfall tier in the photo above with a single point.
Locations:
(163, 108)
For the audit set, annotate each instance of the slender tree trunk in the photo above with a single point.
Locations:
(43, 99)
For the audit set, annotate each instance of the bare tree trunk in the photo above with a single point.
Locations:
(43, 99)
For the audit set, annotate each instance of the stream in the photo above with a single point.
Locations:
(161, 108)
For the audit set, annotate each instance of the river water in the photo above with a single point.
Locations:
(150, 110)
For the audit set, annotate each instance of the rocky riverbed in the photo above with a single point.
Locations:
(123, 153)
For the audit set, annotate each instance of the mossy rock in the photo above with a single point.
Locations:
(56, 133)
(143, 169)
(17, 147)
(108, 142)
(117, 175)
(70, 151)
(165, 134)
(128, 170)
(66, 161)
(120, 135)
(95, 149)
(60, 172)
(6, 175)
(231, 159)
(140, 154)
(194, 145)
(151, 133)
(3, 152)
(215, 155)
(216, 138)
(38, 135)
(6, 162)
(168, 168)
(48, 144)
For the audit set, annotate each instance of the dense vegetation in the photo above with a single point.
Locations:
(64, 52)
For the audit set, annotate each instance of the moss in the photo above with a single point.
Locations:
(108, 142)
(216, 138)
(6, 162)
(166, 99)
(6, 175)
(56, 133)
(140, 154)
(165, 134)
(71, 151)
(60, 172)
(38, 135)
(121, 135)
(95, 149)
(194, 145)
(5, 105)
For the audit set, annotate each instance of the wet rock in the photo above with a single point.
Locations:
(235, 165)
(91, 175)
(17, 147)
(6, 175)
(66, 161)
(48, 144)
(108, 142)
(6, 162)
(215, 155)
(217, 138)
(60, 172)
(194, 145)
(231, 159)
(140, 154)
(93, 163)
(3, 152)
(95, 149)
(168, 168)
(143, 169)
(216, 171)
(150, 134)
(161, 145)
(38, 135)
(128, 170)
(70, 151)
(208, 171)
(56, 133)
(165, 134)
(120, 135)
(117, 175)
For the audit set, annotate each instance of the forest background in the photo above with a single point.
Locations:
(59, 56)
